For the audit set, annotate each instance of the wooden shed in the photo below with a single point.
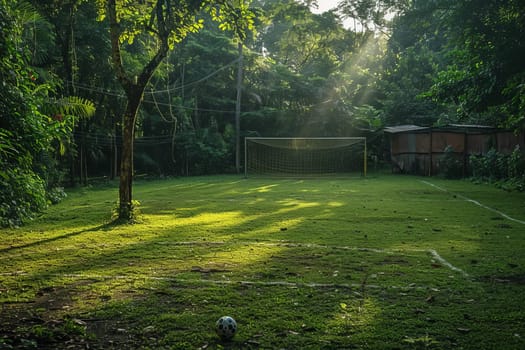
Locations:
(418, 150)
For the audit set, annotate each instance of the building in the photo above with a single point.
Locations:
(420, 150)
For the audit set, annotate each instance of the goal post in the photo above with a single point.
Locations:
(305, 156)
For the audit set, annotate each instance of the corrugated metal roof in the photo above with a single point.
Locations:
(404, 128)
(449, 127)
(469, 126)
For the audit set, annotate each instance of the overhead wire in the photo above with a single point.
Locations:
(115, 94)
(184, 86)
(108, 140)
(152, 92)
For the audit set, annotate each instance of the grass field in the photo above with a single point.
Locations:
(386, 262)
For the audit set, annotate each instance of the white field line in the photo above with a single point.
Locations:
(287, 284)
(446, 263)
(285, 244)
(475, 202)
(432, 252)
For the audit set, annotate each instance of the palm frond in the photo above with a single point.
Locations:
(38, 33)
(71, 106)
(26, 13)
(76, 106)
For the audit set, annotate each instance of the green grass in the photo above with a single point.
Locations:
(387, 262)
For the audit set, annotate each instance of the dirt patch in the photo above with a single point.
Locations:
(48, 323)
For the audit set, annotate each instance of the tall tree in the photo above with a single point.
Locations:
(301, 75)
(413, 58)
(162, 24)
(485, 73)
(460, 59)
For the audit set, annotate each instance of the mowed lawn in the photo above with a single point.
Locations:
(386, 262)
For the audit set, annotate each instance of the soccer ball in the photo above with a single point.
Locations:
(226, 327)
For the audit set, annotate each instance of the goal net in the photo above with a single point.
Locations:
(303, 156)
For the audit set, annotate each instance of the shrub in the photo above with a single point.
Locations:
(507, 171)
(491, 166)
(22, 193)
(450, 166)
(516, 163)
(56, 194)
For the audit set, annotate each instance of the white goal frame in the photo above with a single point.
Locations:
(303, 139)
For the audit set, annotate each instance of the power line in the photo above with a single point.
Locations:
(108, 140)
(152, 92)
(196, 81)
(188, 108)
(114, 94)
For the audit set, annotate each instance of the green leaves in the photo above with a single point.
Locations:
(6, 145)
(462, 58)
(236, 17)
(33, 119)
(22, 194)
(73, 106)
(174, 20)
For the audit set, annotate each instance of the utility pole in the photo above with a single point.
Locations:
(238, 112)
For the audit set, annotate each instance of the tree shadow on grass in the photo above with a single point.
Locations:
(102, 227)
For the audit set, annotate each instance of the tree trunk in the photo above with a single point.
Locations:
(126, 161)
(238, 112)
(134, 88)
(113, 167)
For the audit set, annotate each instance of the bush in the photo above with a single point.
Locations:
(56, 194)
(26, 132)
(507, 171)
(22, 193)
(450, 166)
(516, 163)
(491, 166)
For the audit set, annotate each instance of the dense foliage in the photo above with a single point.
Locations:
(17, 120)
(34, 123)
(305, 74)
(506, 170)
(465, 59)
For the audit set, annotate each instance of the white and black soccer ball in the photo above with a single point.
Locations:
(226, 327)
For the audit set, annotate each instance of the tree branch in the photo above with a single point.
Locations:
(116, 56)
